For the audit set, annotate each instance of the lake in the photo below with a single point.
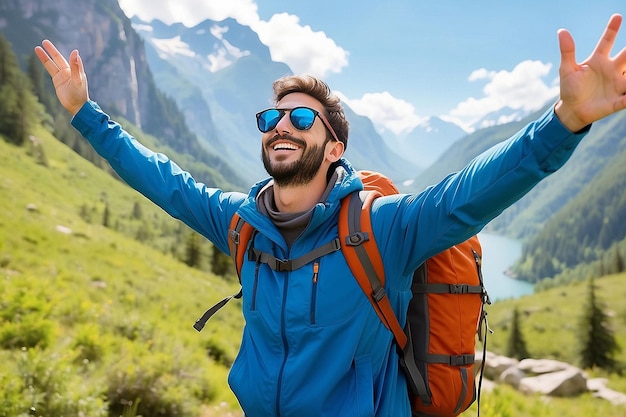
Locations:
(499, 253)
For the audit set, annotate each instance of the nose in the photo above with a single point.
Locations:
(284, 125)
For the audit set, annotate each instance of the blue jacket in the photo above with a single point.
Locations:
(316, 347)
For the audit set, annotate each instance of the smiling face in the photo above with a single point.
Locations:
(295, 157)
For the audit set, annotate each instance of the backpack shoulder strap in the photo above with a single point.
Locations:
(361, 252)
(239, 234)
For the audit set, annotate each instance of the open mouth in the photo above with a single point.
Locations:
(284, 146)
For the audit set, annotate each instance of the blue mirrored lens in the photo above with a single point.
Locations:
(268, 119)
(302, 118)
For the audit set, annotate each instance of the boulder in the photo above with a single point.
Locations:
(566, 383)
(600, 390)
(542, 366)
(614, 397)
(512, 376)
(496, 364)
(596, 384)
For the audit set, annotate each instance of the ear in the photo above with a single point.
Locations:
(336, 150)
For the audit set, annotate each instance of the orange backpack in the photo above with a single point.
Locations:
(437, 345)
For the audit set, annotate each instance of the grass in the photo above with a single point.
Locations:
(550, 320)
(91, 317)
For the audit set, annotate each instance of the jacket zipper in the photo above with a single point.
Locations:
(283, 333)
(255, 286)
(316, 268)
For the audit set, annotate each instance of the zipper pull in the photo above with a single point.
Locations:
(316, 268)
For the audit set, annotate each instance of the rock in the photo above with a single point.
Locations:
(600, 390)
(614, 397)
(596, 384)
(496, 364)
(63, 229)
(512, 376)
(486, 385)
(565, 383)
(542, 366)
(543, 376)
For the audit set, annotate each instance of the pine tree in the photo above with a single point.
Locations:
(39, 82)
(221, 264)
(137, 212)
(19, 108)
(618, 262)
(192, 253)
(106, 216)
(598, 343)
(516, 346)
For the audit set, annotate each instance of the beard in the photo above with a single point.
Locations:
(299, 172)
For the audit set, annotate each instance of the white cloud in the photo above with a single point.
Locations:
(300, 47)
(481, 74)
(520, 89)
(192, 12)
(386, 111)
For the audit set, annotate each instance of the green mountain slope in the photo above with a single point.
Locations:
(91, 318)
(584, 230)
(120, 79)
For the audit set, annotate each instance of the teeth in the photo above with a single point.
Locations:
(285, 146)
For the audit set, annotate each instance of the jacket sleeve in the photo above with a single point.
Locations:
(206, 210)
(464, 202)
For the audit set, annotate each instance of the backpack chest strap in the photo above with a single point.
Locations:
(280, 265)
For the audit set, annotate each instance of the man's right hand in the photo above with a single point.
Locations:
(69, 79)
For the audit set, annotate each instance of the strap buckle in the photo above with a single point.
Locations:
(461, 360)
(355, 239)
(282, 265)
(234, 236)
(459, 288)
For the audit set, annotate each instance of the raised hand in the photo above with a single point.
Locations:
(596, 87)
(69, 79)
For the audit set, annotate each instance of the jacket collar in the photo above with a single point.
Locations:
(347, 182)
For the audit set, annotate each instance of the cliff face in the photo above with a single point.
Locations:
(113, 53)
(118, 72)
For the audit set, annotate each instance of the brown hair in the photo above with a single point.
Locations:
(320, 91)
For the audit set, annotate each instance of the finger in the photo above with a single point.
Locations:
(46, 61)
(605, 44)
(77, 69)
(41, 54)
(55, 55)
(568, 49)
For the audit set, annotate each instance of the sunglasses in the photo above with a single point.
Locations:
(302, 118)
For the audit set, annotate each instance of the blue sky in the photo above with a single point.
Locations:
(401, 61)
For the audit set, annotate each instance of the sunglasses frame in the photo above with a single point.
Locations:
(283, 111)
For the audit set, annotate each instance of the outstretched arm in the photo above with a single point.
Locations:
(69, 79)
(594, 88)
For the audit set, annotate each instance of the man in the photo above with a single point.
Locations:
(312, 345)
